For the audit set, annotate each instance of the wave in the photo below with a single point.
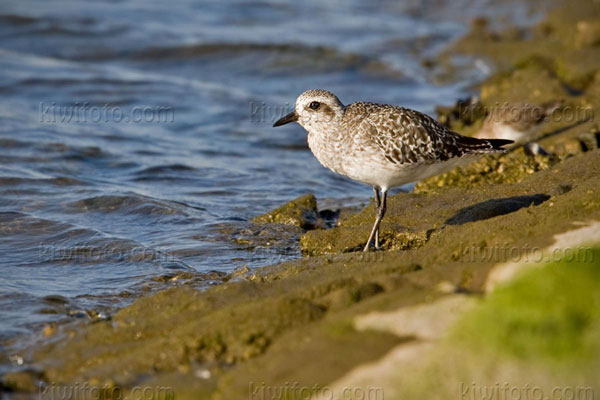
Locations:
(129, 204)
(207, 49)
(56, 181)
(46, 26)
(13, 19)
(159, 169)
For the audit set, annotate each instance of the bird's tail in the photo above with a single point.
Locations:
(475, 145)
(497, 144)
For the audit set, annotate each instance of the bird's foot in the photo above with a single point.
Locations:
(376, 247)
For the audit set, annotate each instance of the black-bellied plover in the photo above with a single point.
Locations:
(381, 145)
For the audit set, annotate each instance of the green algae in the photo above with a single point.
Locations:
(539, 330)
(519, 320)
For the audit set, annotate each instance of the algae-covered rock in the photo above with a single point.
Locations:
(22, 381)
(566, 38)
(279, 230)
(301, 212)
(517, 321)
(348, 238)
(509, 168)
(588, 34)
(512, 341)
(505, 185)
(463, 115)
(531, 83)
(277, 237)
(292, 321)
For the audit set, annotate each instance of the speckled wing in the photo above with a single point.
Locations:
(407, 136)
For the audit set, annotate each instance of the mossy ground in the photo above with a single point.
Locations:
(548, 315)
(293, 322)
(535, 337)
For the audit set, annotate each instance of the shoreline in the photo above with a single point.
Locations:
(297, 321)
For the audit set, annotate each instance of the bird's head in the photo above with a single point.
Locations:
(315, 110)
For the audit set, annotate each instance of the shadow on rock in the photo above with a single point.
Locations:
(495, 207)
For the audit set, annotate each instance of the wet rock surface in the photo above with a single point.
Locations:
(301, 212)
(20, 381)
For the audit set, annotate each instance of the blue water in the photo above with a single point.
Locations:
(133, 131)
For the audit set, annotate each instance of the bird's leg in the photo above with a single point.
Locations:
(380, 214)
(382, 209)
(377, 206)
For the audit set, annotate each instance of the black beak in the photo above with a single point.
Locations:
(291, 117)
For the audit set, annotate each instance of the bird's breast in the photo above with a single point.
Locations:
(328, 151)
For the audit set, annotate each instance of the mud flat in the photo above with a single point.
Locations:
(303, 326)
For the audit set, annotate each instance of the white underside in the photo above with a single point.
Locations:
(391, 175)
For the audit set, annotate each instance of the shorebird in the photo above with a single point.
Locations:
(518, 122)
(381, 145)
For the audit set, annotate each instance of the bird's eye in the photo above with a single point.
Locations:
(314, 105)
